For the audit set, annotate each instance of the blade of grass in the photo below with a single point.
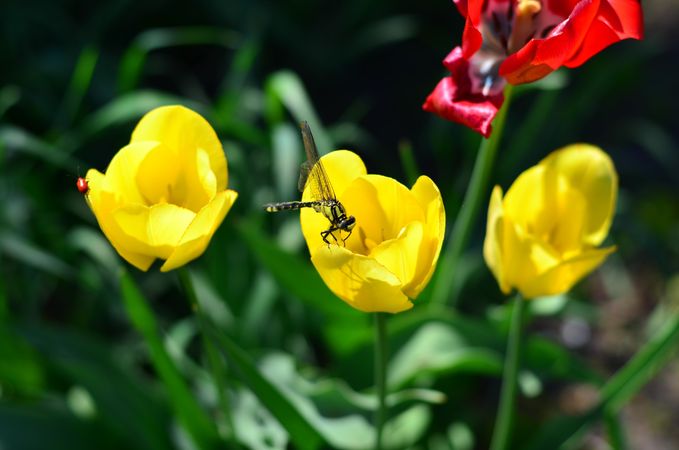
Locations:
(405, 151)
(19, 140)
(189, 413)
(616, 431)
(80, 83)
(286, 88)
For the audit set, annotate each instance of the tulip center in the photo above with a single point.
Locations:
(365, 243)
(506, 26)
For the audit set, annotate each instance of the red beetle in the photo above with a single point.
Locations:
(83, 186)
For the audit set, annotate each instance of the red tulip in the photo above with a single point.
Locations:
(519, 41)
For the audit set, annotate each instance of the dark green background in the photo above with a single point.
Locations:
(75, 77)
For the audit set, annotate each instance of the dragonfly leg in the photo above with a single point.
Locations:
(344, 241)
(329, 232)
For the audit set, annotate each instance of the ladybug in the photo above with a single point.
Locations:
(83, 186)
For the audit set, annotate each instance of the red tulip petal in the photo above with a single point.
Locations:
(539, 57)
(471, 36)
(617, 20)
(453, 100)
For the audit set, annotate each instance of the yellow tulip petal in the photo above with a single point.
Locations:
(103, 202)
(382, 207)
(563, 276)
(312, 224)
(180, 129)
(567, 235)
(590, 171)
(360, 281)
(525, 257)
(197, 183)
(157, 174)
(493, 245)
(528, 202)
(121, 173)
(429, 198)
(341, 167)
(400, 256)
(156, 229)
(198, 234)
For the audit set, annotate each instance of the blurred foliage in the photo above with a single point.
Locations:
(75, 373)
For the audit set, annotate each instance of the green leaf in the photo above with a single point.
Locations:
(297, 276)
(287, 157)
(26, 252)
(287, 88)
(128, 108)
(80, 83)
(19, 140)
(257, 428)
(436, 348)
(302, 433)
(482, 339)
(188, 411)
(348, 430)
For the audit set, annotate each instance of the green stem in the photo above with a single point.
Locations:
(505, 415)
(475, 195)
(214, 360)
(380, 376)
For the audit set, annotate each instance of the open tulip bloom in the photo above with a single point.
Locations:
(520, 41)
(392, 251)
(164, 194)
(543, 236)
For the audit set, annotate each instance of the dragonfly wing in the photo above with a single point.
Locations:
(321, 187)
(304, 171)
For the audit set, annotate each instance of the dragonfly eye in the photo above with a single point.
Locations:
(348, 223)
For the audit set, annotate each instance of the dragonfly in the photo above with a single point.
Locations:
(323, 199)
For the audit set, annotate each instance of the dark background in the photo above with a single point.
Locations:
(75, 77)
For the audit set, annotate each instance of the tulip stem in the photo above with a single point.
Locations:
(215, 361)
(475, 195)
(380, 376)
(505, 414)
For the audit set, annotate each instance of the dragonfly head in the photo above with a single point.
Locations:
(348, 223)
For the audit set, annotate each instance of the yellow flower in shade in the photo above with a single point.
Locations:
(542, 237)
(164, 194)
(392, 251)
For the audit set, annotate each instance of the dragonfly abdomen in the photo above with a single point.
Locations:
(288, 206)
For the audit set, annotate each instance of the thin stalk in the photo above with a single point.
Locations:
(214, 360)
(380, 376)
(476, 194)
(505, 415)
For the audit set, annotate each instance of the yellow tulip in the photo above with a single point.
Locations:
(543, 236)
(164, 194)
(392, 251)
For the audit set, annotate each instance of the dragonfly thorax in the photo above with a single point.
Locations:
(334, 211)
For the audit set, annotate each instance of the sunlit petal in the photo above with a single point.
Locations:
(197, 236)
(360, 281)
